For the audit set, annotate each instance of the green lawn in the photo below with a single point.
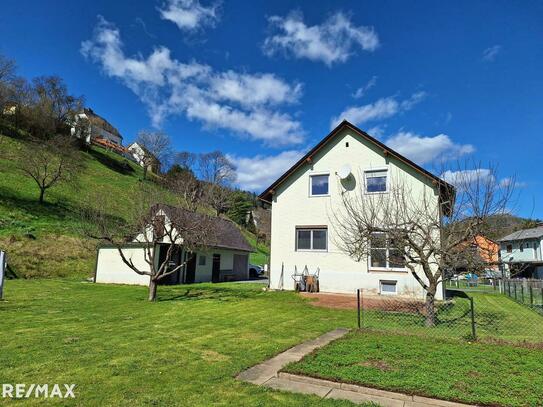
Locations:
(467, 372)
(497, 317)
(184, 349)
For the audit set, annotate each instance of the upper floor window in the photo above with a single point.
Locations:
(376, 181)
(319, 184)
(385, 253)
(312, 239)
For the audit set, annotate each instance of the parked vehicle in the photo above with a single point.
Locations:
(255, 271)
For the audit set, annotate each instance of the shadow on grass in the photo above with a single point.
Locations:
(117, 165)
(207, 292)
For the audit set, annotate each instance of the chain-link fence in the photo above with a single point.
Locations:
(489, 316)
(526, 292)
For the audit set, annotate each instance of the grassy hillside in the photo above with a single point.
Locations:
(46, 240)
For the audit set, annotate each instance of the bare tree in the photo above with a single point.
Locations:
(217, 172)
(152, 224)
(7, 76)
(156, 147)
(48, 162)
(421, 230)
(186, 160)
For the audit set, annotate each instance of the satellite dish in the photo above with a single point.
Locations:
(344, 171)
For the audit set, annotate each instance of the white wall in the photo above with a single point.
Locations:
(292, 206)
(110, 268)
(203, 273)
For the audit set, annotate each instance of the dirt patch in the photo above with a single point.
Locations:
(212, 356)
(348, 301)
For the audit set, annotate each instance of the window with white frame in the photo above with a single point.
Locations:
(375, 181)
(385, 254)
(387, 287)
(311, 239)
(318, 184)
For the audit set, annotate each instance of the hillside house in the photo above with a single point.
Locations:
(97, 128)
(144, 157)
(302, 199)
(226, 257)
(521, 253)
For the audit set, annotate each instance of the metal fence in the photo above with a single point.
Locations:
(488, 316)
(526, 292)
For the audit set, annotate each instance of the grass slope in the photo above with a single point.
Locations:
(467, 372)
(184, 349)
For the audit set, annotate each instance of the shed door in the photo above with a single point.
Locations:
(241, 265)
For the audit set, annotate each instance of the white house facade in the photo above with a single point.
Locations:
(522, 253)
(304, 200)
(97, 127)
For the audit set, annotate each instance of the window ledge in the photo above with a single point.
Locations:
(377, 270)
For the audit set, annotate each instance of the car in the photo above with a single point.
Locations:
(255, 271)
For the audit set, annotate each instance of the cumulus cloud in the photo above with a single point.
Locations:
(246, 104)
(258, 172)
(189, 15)
(465, 177)
(423, 150)
(383, 108)
(490, 54)
(333, 41)
(361, 91)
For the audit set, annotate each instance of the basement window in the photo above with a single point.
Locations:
(387, 287)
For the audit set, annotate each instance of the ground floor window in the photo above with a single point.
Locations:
(385, 253)
(312, 239)
(387, 287)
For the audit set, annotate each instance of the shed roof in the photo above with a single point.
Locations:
(227, 236)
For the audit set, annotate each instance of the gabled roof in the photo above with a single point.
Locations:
(227, 236)
(444, 186)
(98, 120)
(533, 233)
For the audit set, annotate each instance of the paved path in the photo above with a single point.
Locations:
(267, 374)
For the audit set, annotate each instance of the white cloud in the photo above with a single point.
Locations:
(423, 150)
(383, 108)
(189, 15)
(246, 104)
(491, 53)
(258, 172)
(464, 177)
(361, 91)
(333, 41)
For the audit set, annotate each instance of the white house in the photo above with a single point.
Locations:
(98, 128)
(144, 157)
(226, 257)
(303, 199)
(522, 253)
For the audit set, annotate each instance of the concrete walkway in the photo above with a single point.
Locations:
(267, 374)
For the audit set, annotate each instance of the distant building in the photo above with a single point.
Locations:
(521, 253)
(89, 126)
(144, 157)
(482, 257)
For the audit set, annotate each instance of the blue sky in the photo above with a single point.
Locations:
(264, 81)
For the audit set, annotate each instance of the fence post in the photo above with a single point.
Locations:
(522, 292)
(473, 329)
(358, 305)
(531, 296)
(515, 286)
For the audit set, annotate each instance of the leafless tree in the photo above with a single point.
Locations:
(7, 76)
(48, 162)
(152, 224)
(421, 230)
(157, 149)
(217, 173)
(186, 160)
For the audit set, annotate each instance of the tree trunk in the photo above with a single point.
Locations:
(42, 193)
(430, 305)
(152, 290)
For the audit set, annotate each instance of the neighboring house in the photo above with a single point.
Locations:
(521, 253)
(303, 199)
(144, 157)
(96, 128)
(483, 257)
(226, 258)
